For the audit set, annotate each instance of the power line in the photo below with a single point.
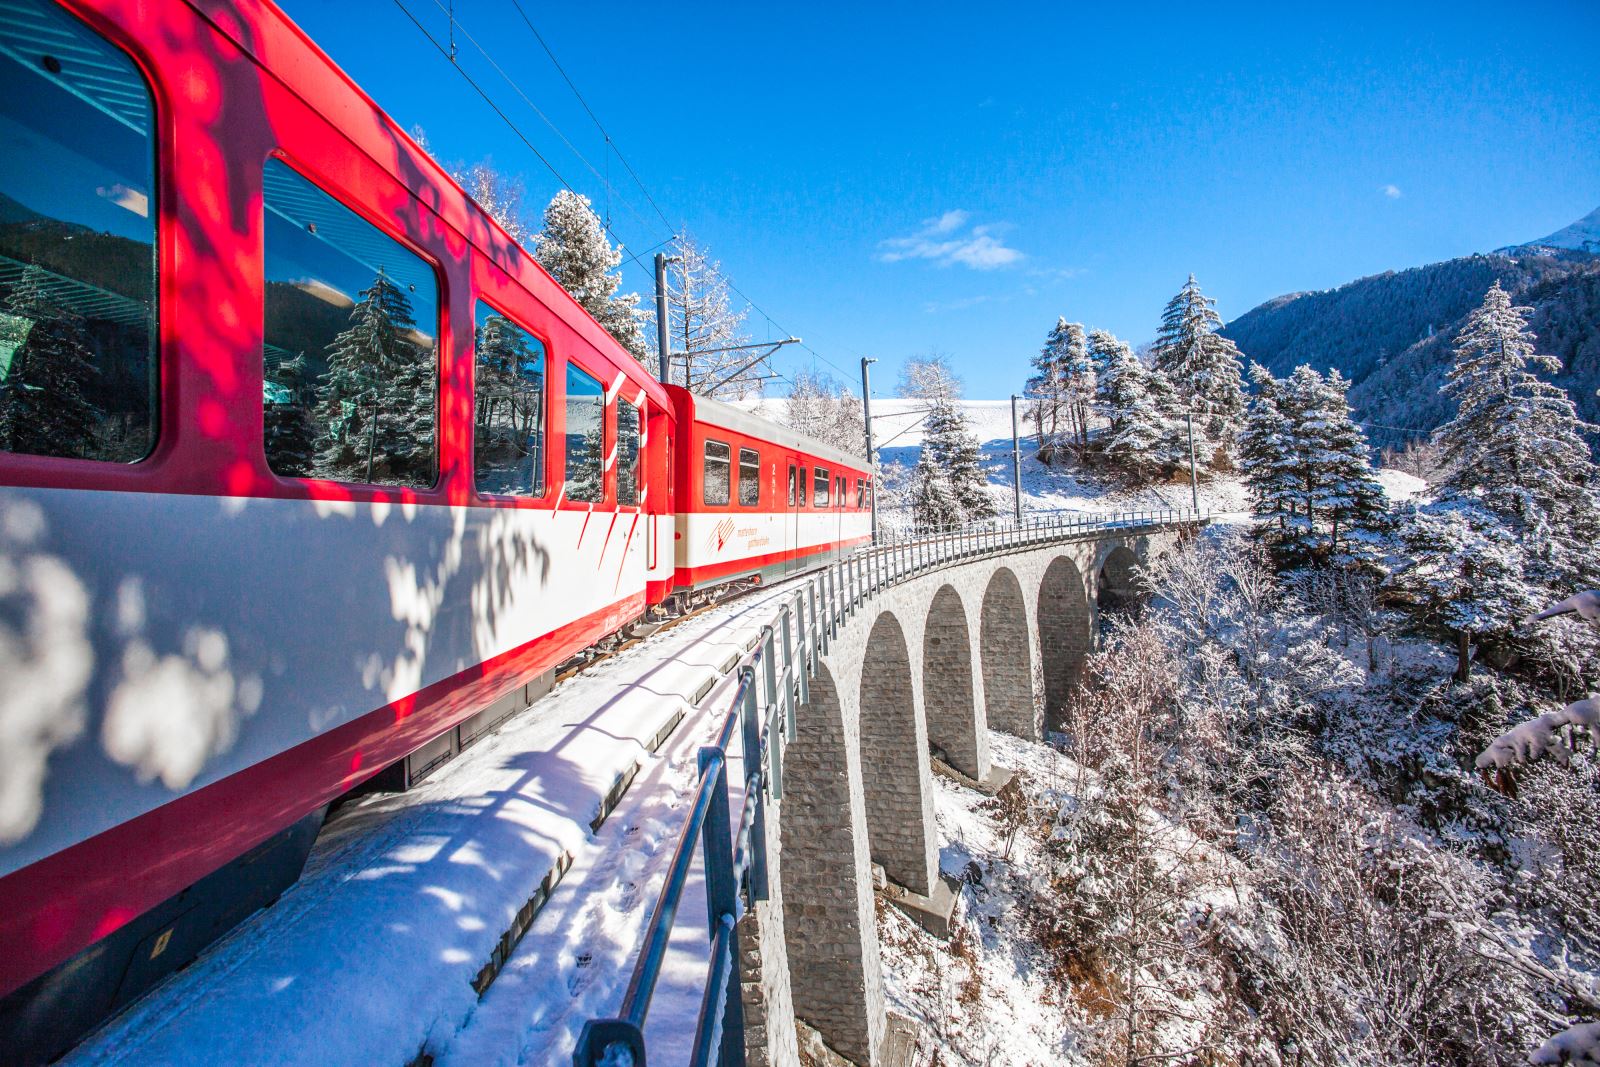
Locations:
(611, 142)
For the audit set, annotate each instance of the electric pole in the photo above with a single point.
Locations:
(1016, 460)
(661, 317)
(866, 412)
(1194, 480)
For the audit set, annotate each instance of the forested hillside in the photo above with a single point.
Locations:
(1391, 334)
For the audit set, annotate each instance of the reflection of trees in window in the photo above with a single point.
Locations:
(375, 404)
(717, 473)
(43, 409)
(289, 437)
(508, 398)
(749, 477)
(627, 453)
(586, 409)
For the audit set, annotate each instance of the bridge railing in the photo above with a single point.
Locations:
(774, 682)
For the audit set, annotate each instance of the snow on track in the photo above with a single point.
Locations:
(369, 958)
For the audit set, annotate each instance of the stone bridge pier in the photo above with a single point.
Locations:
(929, 664)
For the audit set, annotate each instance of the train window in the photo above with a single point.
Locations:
(791, 485)
(350, 354)
(508, 393)
(861, 494)
(749, 477)
(78, 367)
(819, 487)
(627, 454)
(802, 500)
(714, 490)
(838, 491)
(586, 420)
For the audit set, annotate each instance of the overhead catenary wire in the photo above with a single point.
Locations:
(449, 53)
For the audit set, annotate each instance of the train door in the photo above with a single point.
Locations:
(794, 500)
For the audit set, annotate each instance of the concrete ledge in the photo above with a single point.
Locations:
(997, 778)
(933, 912)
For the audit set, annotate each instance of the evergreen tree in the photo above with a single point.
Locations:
(43, 407)
(951, 447)
(288, 436)
(1203, 366)
(573, 248)
(933, 499)
(1309, 472)
(376, 401)
(1138, 438)
(1516, 442)
(1061, 391)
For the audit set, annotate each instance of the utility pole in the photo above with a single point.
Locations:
(1016, 460)
(661, 316)
(866, 412)
(1194, 480)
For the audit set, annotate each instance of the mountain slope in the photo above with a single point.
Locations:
(1391, 334)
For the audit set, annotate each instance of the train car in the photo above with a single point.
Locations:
(307, 470)
(759, 501)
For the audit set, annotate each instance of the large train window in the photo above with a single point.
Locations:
(792, 480)
(819, 487)
(749, 477)
(861, 494)
(586, 421)
(714, 484)
(350, 356)
(508, 391)
(627, 454)
(802, 502)
(77, 242)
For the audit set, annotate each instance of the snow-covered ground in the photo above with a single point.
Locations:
(370, 956)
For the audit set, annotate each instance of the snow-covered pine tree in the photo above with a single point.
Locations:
(707, 328)
(377, 390)
(573, 248)
(1046, 391)
(1348, 494)
(1203, 366)
(1516, 443)
(933, 498)
(1264, 458)
(1061, 391)
(498, 194)
(288, 437)
(1136, 439)
(43, 407)
(1461, 568)
(948, 445)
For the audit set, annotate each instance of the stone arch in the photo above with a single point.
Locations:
(1066, 636)
(830, 924)
(956, 723)
(1007, 655)
(898, 779)
(1117, 586)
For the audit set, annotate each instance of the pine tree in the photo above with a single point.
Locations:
(1264, 456)
(1203, 366)
(1137, 438)
(933, 498)
(288, 436)
(1061, 390)
(949, 448)
(376, 401)
(1516, 442)
(573, 248)
(43, 407)
(1348, 493)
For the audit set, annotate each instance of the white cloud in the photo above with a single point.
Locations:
(1392, 191)
(946, 240)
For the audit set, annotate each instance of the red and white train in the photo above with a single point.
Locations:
(308, 473)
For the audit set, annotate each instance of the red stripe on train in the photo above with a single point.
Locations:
(65, 902)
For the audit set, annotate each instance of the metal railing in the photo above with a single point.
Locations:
(773, 684)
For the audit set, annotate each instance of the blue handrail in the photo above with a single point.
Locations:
(735, 860)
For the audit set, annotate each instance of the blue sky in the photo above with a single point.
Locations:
(887, 180)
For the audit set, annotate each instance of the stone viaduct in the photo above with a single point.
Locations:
(929, 664)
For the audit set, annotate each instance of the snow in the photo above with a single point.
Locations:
(370, 956)
(1399, 486)
(1581, 236)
